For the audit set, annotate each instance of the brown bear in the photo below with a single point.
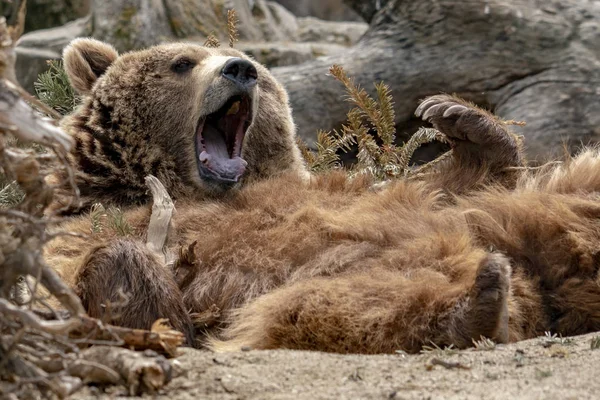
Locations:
(484, 247)
(201, 120)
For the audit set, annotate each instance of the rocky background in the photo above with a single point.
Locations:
(532, 60)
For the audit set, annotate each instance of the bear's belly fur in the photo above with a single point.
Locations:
(335, 266)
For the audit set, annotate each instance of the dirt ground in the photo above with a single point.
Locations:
(542, 368)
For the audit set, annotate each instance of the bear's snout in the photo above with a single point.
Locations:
(241, 72)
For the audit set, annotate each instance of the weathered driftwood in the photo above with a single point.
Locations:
(160, 338)
(531, 60)
(160, 219)
(140, 373)
(145, 372)
(15, 112)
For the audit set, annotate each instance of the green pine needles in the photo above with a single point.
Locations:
(112, 218)
(53, 88)
(371, 126)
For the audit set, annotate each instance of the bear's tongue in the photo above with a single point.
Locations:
(216, 155)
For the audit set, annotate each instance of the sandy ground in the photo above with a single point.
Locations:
(542, 368)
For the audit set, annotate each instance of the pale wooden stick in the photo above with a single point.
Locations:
(160, 219)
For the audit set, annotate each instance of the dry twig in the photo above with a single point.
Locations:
(447, 364)
(232, 22)
(212, 41)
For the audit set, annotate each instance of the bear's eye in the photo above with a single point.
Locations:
(182, 65)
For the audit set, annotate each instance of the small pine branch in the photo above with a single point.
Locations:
(427, 168)
(369, 117)
(212, 41)
(309, 156)
(232, 22)
(387, 116)
(54, 89)
(118, 223)
(344, 140)
(97, 214)
(368, 155)
(421, 137)
(357, 95)
(328, 144)
(326, 151)
(10, 195)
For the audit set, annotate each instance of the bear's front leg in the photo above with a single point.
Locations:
(484, 150)
(125, 266)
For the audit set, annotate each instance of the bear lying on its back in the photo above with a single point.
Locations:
(482, 248)
(201, 120)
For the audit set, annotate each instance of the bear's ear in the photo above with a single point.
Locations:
(86, 60)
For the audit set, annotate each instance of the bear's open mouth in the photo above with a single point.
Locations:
(219, 140)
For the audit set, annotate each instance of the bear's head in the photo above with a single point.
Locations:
(200, 119)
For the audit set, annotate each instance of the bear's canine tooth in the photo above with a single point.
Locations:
(235, 107)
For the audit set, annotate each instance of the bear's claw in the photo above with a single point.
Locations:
(460, 120)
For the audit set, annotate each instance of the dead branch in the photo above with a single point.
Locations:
(32, 127)
(448, 364)
(91, 330)
(144, 372)
(160, 219)
(32, 321)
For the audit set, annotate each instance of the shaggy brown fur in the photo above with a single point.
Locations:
(139, 115)
(483, 248)
(112, 269)
(333, 266)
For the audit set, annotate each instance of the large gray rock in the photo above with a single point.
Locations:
(268, 31)
(334, 10)
(259, 20)
(536, 61)
(279, 54)
(44, 14)
(316, 38)
(34, 49)
(366, 8)
(344, 33)
(130, 24)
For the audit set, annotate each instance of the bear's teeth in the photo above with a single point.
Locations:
(235, 107)
(204, 157)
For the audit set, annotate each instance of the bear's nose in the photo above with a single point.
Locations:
(241, 72)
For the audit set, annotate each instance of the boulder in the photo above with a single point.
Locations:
(334, 10)
(312, 29)
(35, 48)
(44, 14)
(279, 54)
(130, 24)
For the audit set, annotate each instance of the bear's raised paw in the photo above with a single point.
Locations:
(461, 120)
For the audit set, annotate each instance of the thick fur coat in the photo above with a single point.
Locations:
(484, 247)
